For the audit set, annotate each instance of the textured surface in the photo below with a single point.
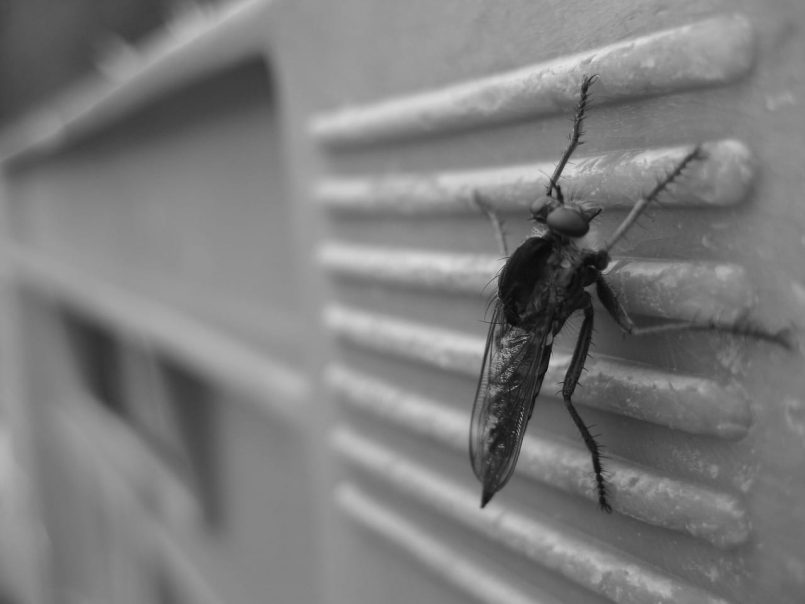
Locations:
(412, 263)
(713, 51)
(612, 180)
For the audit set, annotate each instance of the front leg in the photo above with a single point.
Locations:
(696, 154)
(610, 302)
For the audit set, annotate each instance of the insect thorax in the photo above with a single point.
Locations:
(543, 281)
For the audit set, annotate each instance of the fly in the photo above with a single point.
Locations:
(541, 284)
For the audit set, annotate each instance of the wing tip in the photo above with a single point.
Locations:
(486, 495)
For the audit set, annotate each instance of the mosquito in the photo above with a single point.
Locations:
(541, 285)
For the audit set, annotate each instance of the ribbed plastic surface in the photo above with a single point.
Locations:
(385, 286)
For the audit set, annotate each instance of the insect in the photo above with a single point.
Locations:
(541, 284)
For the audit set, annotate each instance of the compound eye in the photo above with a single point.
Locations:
(567, 222)
(540, 207)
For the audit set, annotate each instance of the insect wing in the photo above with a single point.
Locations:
(511, 377)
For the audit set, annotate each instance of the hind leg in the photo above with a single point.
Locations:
(613, 306)
(571, 380)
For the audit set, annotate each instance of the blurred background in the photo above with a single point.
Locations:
(47, 46)
(243, 285)
(134, 513)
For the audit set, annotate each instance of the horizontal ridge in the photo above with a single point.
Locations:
(614, 179)
(709, 52)
(717, 517)
(443, 560)
(664, 289)
(691, 404)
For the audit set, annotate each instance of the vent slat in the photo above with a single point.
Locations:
(683, 290)
(709, 52)
(614, 180)
(691, 404)
(442, 560)
(717, 517)
(281, 390)
(615, 575)
(420, 269)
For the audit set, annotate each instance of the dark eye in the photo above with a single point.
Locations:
(567, 222)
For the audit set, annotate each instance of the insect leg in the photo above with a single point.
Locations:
(640, 206)
(575, 136)
(497, 223)
(571, 380)
(610, 302)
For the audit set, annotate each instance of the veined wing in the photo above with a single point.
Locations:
(515, 361)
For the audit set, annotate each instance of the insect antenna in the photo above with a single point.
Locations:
(575, 136)
(638, 208)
